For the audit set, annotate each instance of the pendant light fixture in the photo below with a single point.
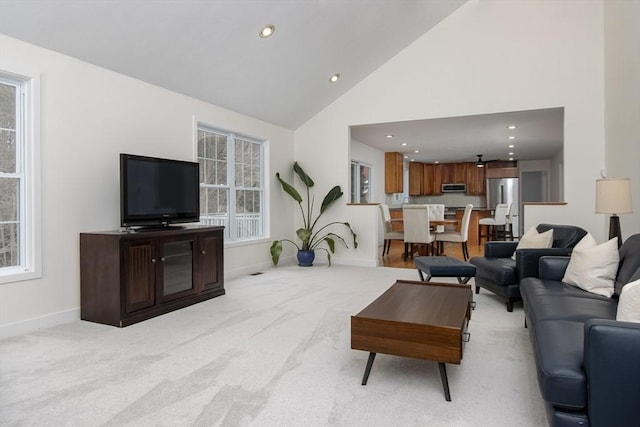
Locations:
(479, 163)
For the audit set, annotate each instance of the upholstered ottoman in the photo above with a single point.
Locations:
(444, 266)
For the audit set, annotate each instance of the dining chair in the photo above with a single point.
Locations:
(499, 220)
(461, 236)
(508, 228)
(387, 230)
(436, 211)
(416, 228)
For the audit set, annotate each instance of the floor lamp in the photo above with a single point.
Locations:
(613, 196)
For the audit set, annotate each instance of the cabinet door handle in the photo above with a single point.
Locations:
(204, 252)
(153, 260)
(162, 259)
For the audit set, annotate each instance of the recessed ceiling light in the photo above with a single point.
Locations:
(267, 31)
(510, 158)
(416, 151)
(512, 137)
(406, 157)
(511, 154)
(436, 162)
(510, 146)
(404, 144)
(413, 160)
(334, 78)
(390, 135)
(512, 127)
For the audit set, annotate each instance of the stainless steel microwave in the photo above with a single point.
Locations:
(454, 188)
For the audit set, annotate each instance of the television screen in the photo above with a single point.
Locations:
(158, 192)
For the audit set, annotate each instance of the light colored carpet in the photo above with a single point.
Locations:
(274, 351)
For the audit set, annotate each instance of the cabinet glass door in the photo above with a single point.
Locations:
(177, 267)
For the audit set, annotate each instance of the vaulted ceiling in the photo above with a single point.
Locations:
(211, 50)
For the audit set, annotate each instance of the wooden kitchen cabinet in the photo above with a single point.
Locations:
(393, 163)
(437, 179)
(447, 173)
(476, 185)
(428, 180)
(459, 173)
(502, 169)
(415, 178)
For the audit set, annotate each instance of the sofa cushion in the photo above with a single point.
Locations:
(573, 308)
(533, 239)
(497, 270)
(559, 358)
(564, 236)
(535, 288)
(629, 268)
(594, 269)
(629, 303)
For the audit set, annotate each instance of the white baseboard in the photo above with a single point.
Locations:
(39, 323)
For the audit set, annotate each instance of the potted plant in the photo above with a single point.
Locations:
(310, 237)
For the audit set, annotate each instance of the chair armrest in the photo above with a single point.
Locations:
(528, 260)
(611, 355)
(553, 267)
(499, 249)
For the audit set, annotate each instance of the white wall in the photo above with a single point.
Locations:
(622, 102)
(489, 56)
(543, 166)
(557, 177)
(88, 116)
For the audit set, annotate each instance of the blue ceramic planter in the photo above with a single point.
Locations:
(305, 258)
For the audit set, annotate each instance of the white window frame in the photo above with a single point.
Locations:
(28, 147)
(356, 192)
(230, 233)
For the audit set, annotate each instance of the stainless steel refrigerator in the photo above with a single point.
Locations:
(505, 190)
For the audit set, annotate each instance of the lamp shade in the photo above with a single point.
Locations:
(613, 195)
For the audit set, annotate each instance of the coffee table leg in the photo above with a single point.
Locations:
(367, 370)
(445, 381)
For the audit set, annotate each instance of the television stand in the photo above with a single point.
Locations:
(159, 227)
(129, 277)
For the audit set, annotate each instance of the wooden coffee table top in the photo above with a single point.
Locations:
(415, 319)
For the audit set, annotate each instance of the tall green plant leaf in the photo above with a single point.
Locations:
(289, 189)
(334, 194)
(304, 234)
(276, 250)
(306, 179)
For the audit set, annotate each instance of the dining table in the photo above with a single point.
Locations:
(445, 222)
(433, 223)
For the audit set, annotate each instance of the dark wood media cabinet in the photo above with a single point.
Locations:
(127, 277)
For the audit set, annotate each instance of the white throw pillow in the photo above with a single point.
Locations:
(534, 240)
(586, 242)
(594, 269)
(629, 303)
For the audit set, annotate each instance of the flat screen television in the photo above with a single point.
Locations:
(158, 192)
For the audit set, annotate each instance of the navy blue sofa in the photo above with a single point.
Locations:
(588, 364)
(498, 273)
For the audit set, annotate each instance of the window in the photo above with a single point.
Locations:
(360, 182)
(19, 225)
(231, 191)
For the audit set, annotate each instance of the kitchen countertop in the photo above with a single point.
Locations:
(447, 208)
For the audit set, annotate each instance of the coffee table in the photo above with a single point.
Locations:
(422, 320)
